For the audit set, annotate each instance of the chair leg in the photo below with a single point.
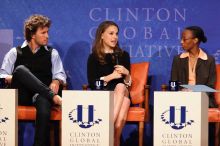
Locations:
(52, 131)
(217, 134)
(141, 133)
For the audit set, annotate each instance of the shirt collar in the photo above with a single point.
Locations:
(202, 55)
(25, 43)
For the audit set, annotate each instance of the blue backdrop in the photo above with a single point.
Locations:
(150, 30)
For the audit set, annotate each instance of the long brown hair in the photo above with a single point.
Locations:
(97, 47)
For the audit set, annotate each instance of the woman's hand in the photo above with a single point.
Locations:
(116, 75)
(112, 76)
(124, 72)
(121, 70)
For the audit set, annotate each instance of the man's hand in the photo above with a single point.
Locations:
(8, 79)
(57, 100)
(54, 86)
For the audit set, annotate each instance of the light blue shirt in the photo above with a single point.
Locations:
(10, 58)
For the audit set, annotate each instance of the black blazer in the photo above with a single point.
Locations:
(205, 73)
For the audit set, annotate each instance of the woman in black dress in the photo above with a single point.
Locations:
(111, 64)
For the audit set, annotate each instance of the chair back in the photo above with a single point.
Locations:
(139, 74)
(217, 85)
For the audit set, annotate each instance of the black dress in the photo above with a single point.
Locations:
(95, 69)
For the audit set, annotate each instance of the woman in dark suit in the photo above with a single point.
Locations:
(194, 66)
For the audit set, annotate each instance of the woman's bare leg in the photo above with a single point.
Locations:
(120, 122)
(119, 93)
(121, 106)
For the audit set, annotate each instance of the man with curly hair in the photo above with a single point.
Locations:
(36, 70)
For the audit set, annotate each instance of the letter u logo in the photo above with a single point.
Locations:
(98, 83)
(80, 113)
(182, 117)
(173, 84)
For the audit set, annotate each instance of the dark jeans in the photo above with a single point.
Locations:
(28, 85)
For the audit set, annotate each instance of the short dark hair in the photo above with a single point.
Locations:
(33, 23)
(197, 33)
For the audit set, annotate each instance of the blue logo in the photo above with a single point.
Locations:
(76, 116)
(170, 117)
(2, 118)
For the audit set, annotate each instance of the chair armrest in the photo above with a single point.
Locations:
(85, 87)
(164, 87)
(146, 103)
(214, 115)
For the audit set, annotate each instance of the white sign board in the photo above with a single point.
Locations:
(8, 117)
(87, 118)
(180, 119)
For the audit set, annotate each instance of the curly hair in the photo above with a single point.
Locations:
(33, 23)
(97, 47)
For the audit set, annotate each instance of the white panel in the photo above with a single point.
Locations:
(99, 127)
(172, 126)
(8, 117)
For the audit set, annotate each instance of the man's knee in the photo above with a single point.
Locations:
(20, 70)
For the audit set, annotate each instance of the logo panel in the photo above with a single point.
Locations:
(76, 116)
(3, 119)
(176, 117)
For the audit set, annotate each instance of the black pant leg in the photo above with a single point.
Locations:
(42, 130)
(25, 97)
(24, 94)
(23, 78)
(28, 85)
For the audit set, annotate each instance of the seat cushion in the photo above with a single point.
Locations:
(136, 114)
(29, 113)
(214, 115)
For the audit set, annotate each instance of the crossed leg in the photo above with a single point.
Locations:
(121, 106)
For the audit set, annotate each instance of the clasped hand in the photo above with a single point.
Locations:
(120, 71)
